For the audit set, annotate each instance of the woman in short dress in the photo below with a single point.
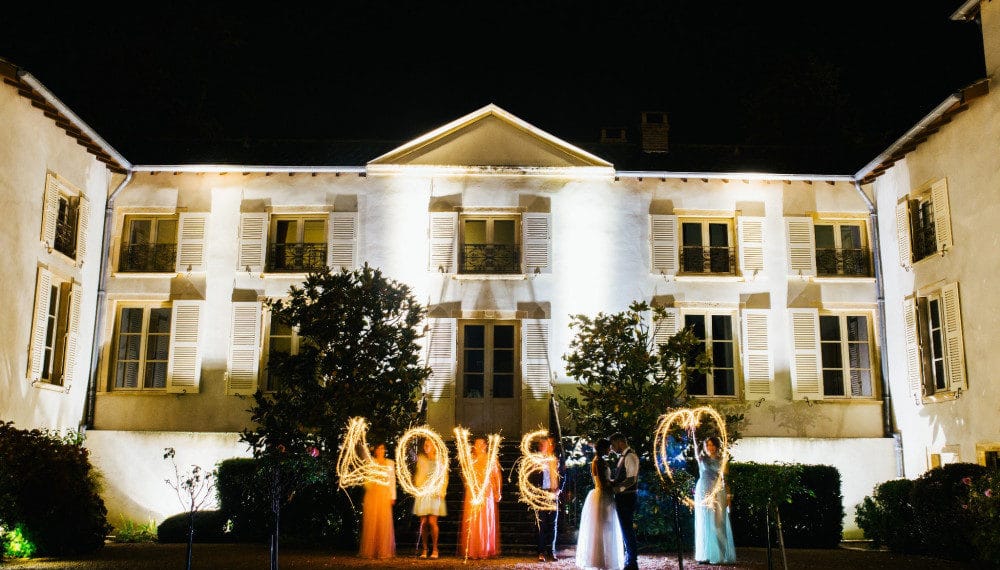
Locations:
(431, 506)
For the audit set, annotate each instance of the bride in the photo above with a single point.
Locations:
(600, 544)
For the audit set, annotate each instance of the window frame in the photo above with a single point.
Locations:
(708, 341)
(845, 343)
(143, 345)
(491, 219)
(155, 219)
(54, 353)
(918, 205)
(300, 219)
(706, 223)
(295, 342)
(838, 247)
(489, 348)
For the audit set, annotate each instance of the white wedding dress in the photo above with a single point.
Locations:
(600, 544)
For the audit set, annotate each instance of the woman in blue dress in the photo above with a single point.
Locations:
(713, 534)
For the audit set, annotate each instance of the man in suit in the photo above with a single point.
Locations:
(626, 488)
(547, 520)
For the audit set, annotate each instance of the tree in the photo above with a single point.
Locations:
(194, 488)
(358, 356)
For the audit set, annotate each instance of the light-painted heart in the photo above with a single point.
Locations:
(688, 419)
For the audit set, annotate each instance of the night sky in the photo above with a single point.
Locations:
(162, 82)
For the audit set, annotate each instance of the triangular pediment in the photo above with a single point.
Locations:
(491, 139)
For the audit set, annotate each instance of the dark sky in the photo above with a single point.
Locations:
(854, 74)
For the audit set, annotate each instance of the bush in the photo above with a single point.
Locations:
(209, 526)
(130, 531)
(887, 516)
(49, 488)
(941, 508)
(984, 501)
(244, 500)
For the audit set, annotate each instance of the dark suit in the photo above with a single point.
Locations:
(626, 501)
(547, 521)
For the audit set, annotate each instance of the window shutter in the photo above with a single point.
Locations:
(43, 290)
(244, 349)
(72, 336)
(663, 244)
(535, 358)
(801, 246)
(751, 236)
(942, 214)
(537, 242)
(82, 225)
(758, 370)
(911, 338)
(342, 243)
(664, 328)
(443, 230)
(50, 210)
(441, 359)
(253, 242)
(806, 375)
(184, 366)
(191, 242)
(954, 343)
(903, 232)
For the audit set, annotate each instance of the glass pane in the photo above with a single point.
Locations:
(936, 343)
(127, 375)
(939, 374)
(139, 231)
(159, 320)
(722, 354)
(824, 237)
(286, 231)
(857, 328)
(503, 386)
(503, 336)
(473, 386)
(831, 355)
(475, 336)
(156, 375)
(475, 231)
(697, 323)
(724, 383)
(158, 347)
(474, 361)
(697, 384)
(850, 237)
(691, 234)
(503, 232)
(858, 356)
(722, 327)
(503, 361)
(833, 383)
(935, 315)
(861, 383)
(166, 231)
(718, 235)
(131, 321)
(314, 232)
(829, 328)
(279, 328)
(128, 346)
(280, 344)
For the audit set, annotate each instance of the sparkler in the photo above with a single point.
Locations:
(689, 419)
(530, 463)
(355, 465)
(439, 473)
(477, 486)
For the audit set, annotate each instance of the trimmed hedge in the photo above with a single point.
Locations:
(209, 526)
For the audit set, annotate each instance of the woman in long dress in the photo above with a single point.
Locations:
(378, 538)
(713, 533)
(600, 544)
(480, 537)
(431, 506)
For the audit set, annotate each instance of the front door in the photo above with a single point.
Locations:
(489, 377)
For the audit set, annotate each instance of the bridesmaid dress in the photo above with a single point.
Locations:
(713, 533)
(378, 538)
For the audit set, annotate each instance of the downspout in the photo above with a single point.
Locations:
(102, 297)
(888, 421)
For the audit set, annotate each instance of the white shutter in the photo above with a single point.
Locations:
(664, 328)
(535, 358)
(72, 336)
(806, 371)
(801, 242)
(758, 370)
(663, 244)
(443, 231)
(441, 359)
(537, 243)
(954, 343)
(43, 293)
(191, 242)
(912, 352)
(751, 237)
(253, 242)
(184, 366)
(50, 210)
(244, 349)
(82, 225)
(903, 232)
(942, 214)
(342, 243)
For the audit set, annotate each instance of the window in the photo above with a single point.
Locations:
(923, 222)
(149, 245)
(488, 360)
(841, 249)
(67, 219)
(281, 339)
(55, 330)
(934, 342)
(706, 247)
(141, 348)
(922, 228)
(298, 244)
(64, 219)
(489, 245)
(846, 355)
(716, 332)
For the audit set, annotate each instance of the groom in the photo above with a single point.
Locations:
(626, 486)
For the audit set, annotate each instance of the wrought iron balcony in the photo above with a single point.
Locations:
(295, 257)
(924, 240)
(66, 236)
(148, 258)
(717, 260)
(489, 258)
(848, 262)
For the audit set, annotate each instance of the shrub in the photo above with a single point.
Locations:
(130, 531)
(209, 526)
(814, 518)
(886, 517)
(941, 508)
(984, 501)
(243, 499)
(49, 488)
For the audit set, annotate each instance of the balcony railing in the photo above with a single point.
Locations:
(66, 236)
(296, 257)
(490, 258)
(924, 240)
(714, 260)
(148, 258)
(849, 262)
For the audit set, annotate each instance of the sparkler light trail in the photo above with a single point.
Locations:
(435, 481)
(355, 465)
(529, 464)
(689, 419)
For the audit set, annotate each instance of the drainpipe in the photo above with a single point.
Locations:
(102, 297)
(888, 422)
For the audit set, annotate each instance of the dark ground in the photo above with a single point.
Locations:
(255, 557)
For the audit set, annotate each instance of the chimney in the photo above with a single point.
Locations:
(613, 135)
(655, 130)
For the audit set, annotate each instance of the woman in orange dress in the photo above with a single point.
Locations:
(378, 538)
(480, 536)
